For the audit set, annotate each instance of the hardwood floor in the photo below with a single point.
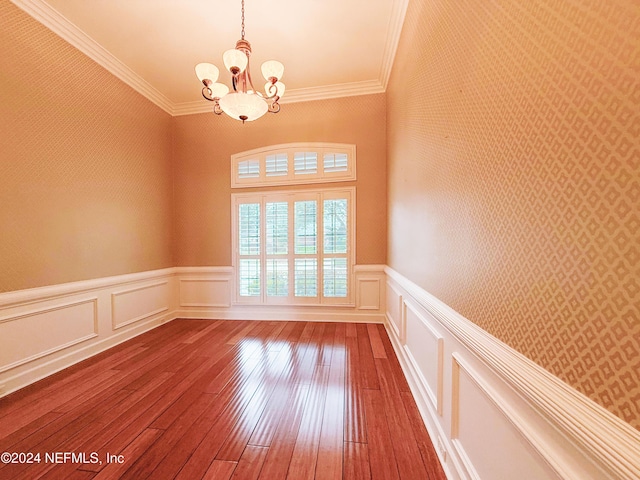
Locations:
(199, 399)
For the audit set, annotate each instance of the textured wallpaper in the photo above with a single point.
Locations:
(85, 165)
(204, 143)
(514, 179)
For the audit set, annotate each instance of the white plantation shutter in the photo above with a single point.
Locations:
(249, 169)
(305, 163)
(306, 275)
(249, 250)
(277, 165)
(306, 227)
(334, 239)
(294, 247)
(277, 248)
(335, 162)
(294, 164)
(335, 277)
(277, 277)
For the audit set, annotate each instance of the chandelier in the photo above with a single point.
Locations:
(244, 102)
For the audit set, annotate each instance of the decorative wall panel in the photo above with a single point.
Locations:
(476, 412)
(201, 292)
(36, 333)
(395, 312)
(514, 179)
(131, 305)
(425, 349)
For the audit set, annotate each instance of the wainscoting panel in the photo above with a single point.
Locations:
(395, 311)
(370, 284)
(368, 293)
(203, 292)
(424, 347)
(38, 333)
(43, 330)
(477, 412)
(137, 303)
(499, 415)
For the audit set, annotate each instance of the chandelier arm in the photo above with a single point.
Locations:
(216, 108)
(248, 77)
(272, 91)
(275, 106)
(207, 93)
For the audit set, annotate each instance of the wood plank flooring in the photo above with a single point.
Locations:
(201, 399)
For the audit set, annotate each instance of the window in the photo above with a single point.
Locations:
(305, 163)
(294, 163)
(294, 247)
(249, 169)
(275, 165)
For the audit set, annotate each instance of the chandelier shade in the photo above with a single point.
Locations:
(235, 60)
(244, 106)
(272, 69)
(219, 90)
(242, 101)
(207, 71)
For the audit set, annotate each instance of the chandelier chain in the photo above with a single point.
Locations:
(242, 33)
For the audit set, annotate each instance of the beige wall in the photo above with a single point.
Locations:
(85, 165)
(514, 177)
(203, 145)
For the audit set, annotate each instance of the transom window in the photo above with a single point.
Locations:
(294, 163)
(294, 247)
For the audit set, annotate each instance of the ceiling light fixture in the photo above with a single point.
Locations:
(244, 102)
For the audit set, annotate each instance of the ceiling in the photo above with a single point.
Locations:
(330, 48)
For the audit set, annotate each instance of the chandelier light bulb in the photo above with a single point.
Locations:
(272, 69)
(243, 106)
(218, 90)
(235, 60)
(207, 71)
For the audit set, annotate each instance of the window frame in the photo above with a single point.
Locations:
(291, 196)
(262, 179)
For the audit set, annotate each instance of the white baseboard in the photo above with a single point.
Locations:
(303, 314)
(494, 414)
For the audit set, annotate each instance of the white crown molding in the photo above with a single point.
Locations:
(396, 22)
(58, 24)
(69, 32)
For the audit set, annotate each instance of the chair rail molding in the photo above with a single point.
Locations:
(560, 430)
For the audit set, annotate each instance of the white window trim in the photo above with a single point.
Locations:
(291, 178)
(292, 195)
